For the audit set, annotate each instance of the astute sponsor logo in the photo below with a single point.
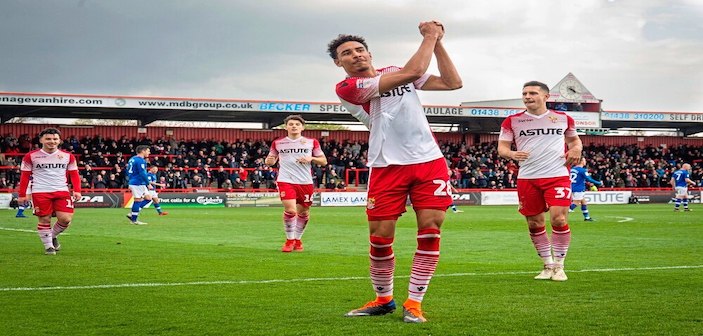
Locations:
(50, 165)
(399, 91)
(542, 131)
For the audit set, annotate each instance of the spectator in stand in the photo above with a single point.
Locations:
(120, 176)
(226, 185)
(207, 175)
(243, 174)
(466, 176)
(222, 175)
(99, 182)
(509, 180)
(270, 176)
(330, 175)
(179, 181)
(113, 182)
(481, 180)
(238, 183)
(331, 184)
(472, 183)
(561, 107)
(197, 181)
(85, 183)
(170, 179)
(630, 181)
(256, 177)
(318, 174)
(13, 176)
(88, 173)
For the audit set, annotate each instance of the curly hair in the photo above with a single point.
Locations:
(341, 39)
(50, 131)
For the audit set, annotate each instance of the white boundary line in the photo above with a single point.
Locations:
(247, 282)
(25, 230)
(625, 219)
(18, 230)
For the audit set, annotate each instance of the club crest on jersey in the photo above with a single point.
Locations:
(363, 83)
(370, 203)
(303, 141)
(553, 119)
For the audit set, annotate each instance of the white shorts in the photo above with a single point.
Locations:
(153, 193)
(138, 191)
(578, 196)
(681, 191)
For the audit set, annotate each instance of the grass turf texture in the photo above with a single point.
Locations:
(220, 271)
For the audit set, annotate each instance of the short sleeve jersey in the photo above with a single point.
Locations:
(49, 170)
(543, 137)
(680, 176)
(399, 133)
(578, 179)
(151, 177)
(136, 169)
(288, 151)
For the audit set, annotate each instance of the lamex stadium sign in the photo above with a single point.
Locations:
(343, 199)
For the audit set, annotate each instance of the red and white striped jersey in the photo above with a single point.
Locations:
(543, 137)
(288, 151)
(399, 133)
(49, 170)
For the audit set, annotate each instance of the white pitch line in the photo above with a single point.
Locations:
(246, 282)
(625, 219)
(18, 230)
(25, 230)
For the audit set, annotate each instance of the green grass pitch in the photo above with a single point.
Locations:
(638, 270)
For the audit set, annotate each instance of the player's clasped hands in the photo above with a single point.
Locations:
(433, 28)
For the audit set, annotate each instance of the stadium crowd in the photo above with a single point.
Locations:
(240, 164)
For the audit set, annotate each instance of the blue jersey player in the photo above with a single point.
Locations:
(138, 182)
(680, 182)
(26, 204)
(579, 175)
(153, 183)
